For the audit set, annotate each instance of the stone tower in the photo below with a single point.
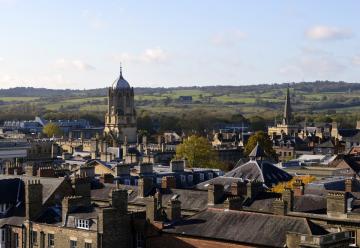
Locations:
(287, 118)
(120, 119)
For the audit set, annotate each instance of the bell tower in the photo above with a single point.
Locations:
(120, 119)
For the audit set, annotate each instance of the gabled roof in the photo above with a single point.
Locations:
(243, 227)
(257, 152)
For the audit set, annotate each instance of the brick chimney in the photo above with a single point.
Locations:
(350, 184)
(177, 165)
(119, 200)
(336, 202)
(288, 197)
(215, 193)
(238, 188)
(145, 185)
(107, 178)
(70, 203)
(173, 210)
(82, 187)
(279, 207)
(254, 188)
(168, 182)
(153, 209)
(33, 199)
(299, 187)
(234, 203)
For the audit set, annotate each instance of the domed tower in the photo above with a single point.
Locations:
(120, 119)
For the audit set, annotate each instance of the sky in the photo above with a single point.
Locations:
(161, 43)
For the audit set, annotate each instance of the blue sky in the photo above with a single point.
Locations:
(79, 44)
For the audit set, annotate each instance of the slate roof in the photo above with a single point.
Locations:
(263, 171)
(243, 227)
(225, 181)
(50, 184)
(257, 152)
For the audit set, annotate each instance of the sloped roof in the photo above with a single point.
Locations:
(243, 227)
(261, 171)
(257, 152)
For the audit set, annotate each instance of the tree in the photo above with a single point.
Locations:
(51, 130)
(198, 152)
(264, 141)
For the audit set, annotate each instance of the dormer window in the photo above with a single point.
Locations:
(3, 208)
(82, 224)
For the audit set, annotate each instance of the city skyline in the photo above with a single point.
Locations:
(80, 45)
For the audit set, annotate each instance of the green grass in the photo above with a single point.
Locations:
(18, 99)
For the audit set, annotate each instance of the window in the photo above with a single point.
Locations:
(16, 239)
(210, 175)
(183, 179)
(190, 178)
(3, 234)
(3, 208)
(83, 224)
(353, 238)
(87, 245)
(201, 176)
(51, 241)
(158, 180)
(33, 237)
(73, 244)
(139, 240)
(127, 181)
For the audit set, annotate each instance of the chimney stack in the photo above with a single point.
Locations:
(119, 200)
(288, 197)
(299, 187)
(215, 193)
(173, 210)
(33, 199)
(280, 207)
(145, 185)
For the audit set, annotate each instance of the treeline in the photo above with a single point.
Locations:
(309, 87)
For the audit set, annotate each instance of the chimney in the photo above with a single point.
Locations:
(279, 207)
(119, 200)
(168, 182)
(238, 188)
(336, 202)
(177, 165)
(71, 203)
(145, 185)
(146, 169)
(215, 193)
(30, 170)
(234, 203)
(33, 198)
(153, 209)
(122, 170)
(173, 210)
(299, 187)
(107, 178)
(82, 187)
(350, 185)
(254, 188)
(288, 197)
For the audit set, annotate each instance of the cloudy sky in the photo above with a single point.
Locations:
(79, 44)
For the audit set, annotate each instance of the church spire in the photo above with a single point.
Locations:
(287, 108)
(121, 71)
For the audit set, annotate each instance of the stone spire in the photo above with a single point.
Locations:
(287, 110)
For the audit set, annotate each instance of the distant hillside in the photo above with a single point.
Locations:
(305, 87)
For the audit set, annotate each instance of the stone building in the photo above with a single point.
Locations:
(120, 119)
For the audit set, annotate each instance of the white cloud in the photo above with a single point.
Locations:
(150, 55)
(356, 60)
(73, 64)
(230, 37)
(328, 33)
(1, 59)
